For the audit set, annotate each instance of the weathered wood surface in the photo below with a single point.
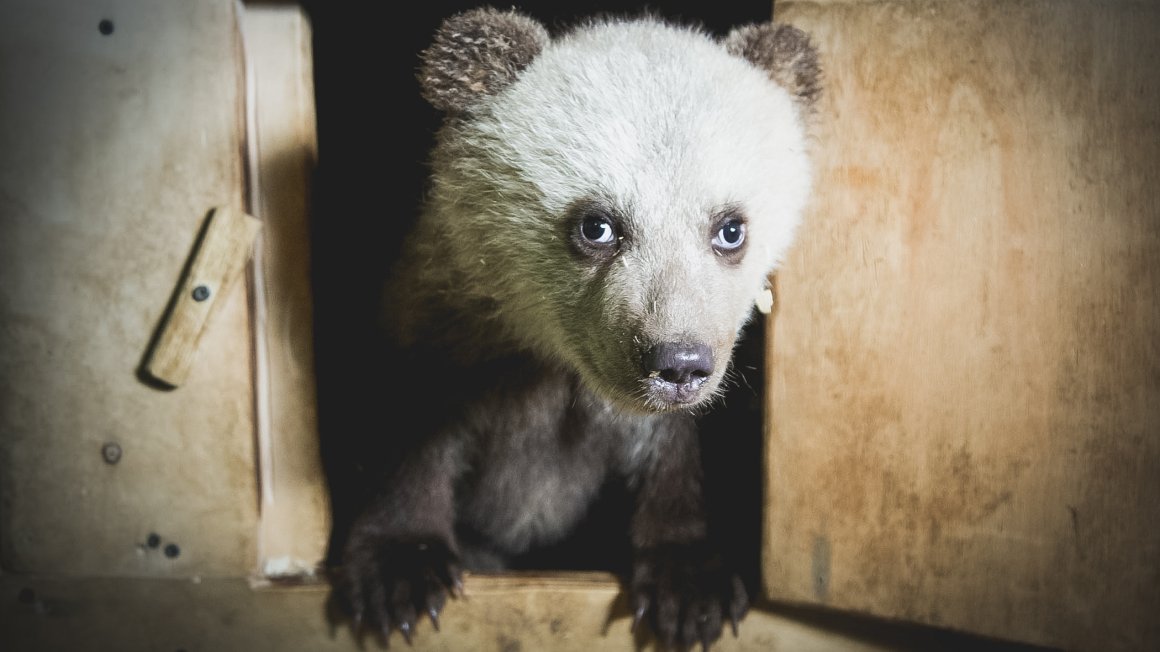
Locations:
(579, 613)
(964, 410)
(113, 149)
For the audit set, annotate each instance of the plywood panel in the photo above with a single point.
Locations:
(120, 128)
(965, 363)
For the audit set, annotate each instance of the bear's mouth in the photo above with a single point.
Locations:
(667, 394)
(675, 373)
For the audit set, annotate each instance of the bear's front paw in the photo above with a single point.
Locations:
(686, 592)
(385, 584)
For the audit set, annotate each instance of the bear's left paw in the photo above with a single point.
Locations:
(686, 592)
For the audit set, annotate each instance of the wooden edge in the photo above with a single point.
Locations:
(575, 613)
(294, 521)
(479, 583)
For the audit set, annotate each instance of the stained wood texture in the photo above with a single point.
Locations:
(295, 513)
(113, 148)
(503, 614)
(218, 258)
(965, 364)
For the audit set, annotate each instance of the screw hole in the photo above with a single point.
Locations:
(111, 452)
(105, 27)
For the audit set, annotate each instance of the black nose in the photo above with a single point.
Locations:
(679, 363)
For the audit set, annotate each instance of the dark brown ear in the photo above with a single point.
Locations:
(786, 52)
(477, 53)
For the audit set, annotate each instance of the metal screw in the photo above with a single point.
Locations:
(153, 540)
(172, 550)
(200, 293)
(105, 26)
(111, 452)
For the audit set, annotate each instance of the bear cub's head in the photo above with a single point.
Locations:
(614, 199)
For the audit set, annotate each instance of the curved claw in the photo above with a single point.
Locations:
(457, 585)
(642, 604)
(434, 614)
(405, 630)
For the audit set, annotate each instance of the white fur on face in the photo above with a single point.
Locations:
(659, 124)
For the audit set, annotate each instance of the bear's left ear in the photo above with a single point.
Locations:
(786, 53)
(477, 53)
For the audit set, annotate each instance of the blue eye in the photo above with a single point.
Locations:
(598, 230)
(730, 236)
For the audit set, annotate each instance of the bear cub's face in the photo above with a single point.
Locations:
(618, 196)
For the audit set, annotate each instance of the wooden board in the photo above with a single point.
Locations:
(578, 613)
(121, 126)
(220, 255)
(964, 409)
(282, 144)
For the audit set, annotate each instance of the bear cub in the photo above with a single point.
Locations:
(605, 206)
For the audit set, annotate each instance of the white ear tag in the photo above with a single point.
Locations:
(764, 301)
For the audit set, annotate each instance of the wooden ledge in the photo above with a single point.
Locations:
(579, 612)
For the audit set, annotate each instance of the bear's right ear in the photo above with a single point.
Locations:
(478, 53)
(785, 53)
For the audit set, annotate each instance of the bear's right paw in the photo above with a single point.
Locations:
(386, 584)
(687, 592)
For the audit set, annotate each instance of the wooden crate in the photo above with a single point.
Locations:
(963, 381)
